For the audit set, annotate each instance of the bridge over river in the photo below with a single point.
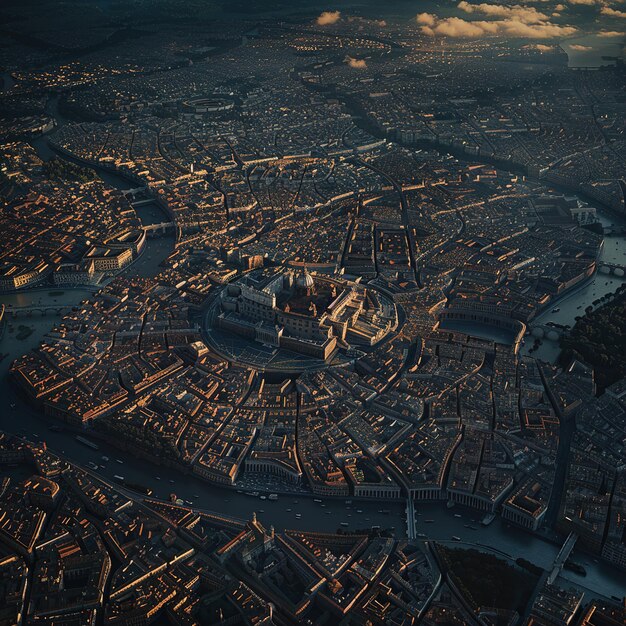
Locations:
(612, 268)
(547, 332)
(40, 310)
(550, 575)
(562, 556)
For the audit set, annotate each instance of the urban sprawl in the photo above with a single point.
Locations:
(363, 226)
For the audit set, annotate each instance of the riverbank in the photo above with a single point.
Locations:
(564, 311)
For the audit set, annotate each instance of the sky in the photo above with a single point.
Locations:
(581, 27)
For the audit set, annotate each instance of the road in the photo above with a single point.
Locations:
(404, 211)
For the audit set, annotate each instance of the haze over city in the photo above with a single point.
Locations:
(312, 313)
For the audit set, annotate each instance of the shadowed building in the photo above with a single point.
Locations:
(305, 314)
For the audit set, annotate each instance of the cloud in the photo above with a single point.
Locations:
(543, 30)
(509, 20)
(426, 19)
(511, 27)
(559, 7)
(457, 27)
(543, 48)
(359, 64)
(328, 17)
(613, 12)
(611, 33)
(526, 15)
(580, 48)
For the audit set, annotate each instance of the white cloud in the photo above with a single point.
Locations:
(511, 27)
(426, 19)
(611, 33)
(586, 2)
(543, 30)
(527, 15)
(359, 64)
(580, 48)
(613, 12)
(457, 27)
(328, 17)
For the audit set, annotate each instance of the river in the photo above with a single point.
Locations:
(570, 305)
(156, 249)
(588, 49)
(573, 303)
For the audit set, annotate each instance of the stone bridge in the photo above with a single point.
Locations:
(37, 310)
(546, 332)
(612, 268)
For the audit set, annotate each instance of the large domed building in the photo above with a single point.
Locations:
(305, 282)
(311, 315)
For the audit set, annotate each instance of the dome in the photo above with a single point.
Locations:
(304, 280)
